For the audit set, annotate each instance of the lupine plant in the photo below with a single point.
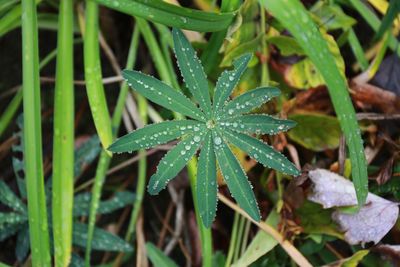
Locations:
(214, 125)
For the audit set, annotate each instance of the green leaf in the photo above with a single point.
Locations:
(7, 197)
(157, 257)
(250, 100)
(235, 177)
(312, 130)
(258, 124)
(207, 186)
(192, 71)
(86, 154)
(173, 162)
(162, 94)
(102, 240)
(332, 17)
(8, 230)
(293, 16)
(227, 82)
(155, 134)
(172, 15)
(120, 200)
(23, 245)
(387, 21)
(245, 47)
(12, 218)
(262, 152)
(287, 45)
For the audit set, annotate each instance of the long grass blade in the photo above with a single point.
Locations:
(171, 15)
(32, 138)
(10, 111)
(294, 17)
(93, 75)
(63, 146)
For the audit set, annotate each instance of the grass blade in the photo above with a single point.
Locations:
(157, 257)
(250, 100)
(262, 152)
(32, 138)
(171, 15)
(235, 177)
(295, 18)
(162, 94)
(206, 186)
(63, 146)
(173, 162)
(258, 124)
(93, 75)
(10, 111)
(154, 134)
(227, 82)
(192, 71)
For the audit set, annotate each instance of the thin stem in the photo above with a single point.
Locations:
(264, 49)
(32, 136)
(63, 147)
(232, 243)
(105, 158)
(10, 111)
(239, 238)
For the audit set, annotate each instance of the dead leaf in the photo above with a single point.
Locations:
(385, 173)
(371, 223)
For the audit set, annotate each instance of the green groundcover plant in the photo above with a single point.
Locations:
(215, 124)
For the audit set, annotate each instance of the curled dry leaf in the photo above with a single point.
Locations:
(371, 223)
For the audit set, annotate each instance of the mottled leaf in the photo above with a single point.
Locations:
(206, 186)
(369, 224)
(155, 134)
(173, 162)
(258, 124)
(162, 94)
(261, 152)
(192, 71)
(227, 82)
(248, 101)
(235, 177)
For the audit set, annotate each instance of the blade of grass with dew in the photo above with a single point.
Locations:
(295, 18)
(162, 69)
(105, 158)
(63, 146)
(10, 111)
(32, 136)
(93, 75)
(171, 15)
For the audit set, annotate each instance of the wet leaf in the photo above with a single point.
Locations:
(315, 131)
(369, 224)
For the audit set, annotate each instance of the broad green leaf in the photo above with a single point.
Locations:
(258, 124)
(227, 82)
(294, 16)
(207, 186)
(157, 257)
(192, 71)
(120, 200)
(162, 94)
(173, 162)
(171, 15)
(235, 177)
(287, 45)
(7, 197)
(315, 131)
(102, 240)
(155, 134)
(261, 152)
(248, 101)
(332, 17)
(11, 218)
(261, 243)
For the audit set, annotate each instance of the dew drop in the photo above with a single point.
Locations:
(217, 140)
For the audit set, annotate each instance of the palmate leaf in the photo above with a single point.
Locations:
(261, 152)
(192, 71)
(162, 94)
(227, 82)
(7, 197)
(235, 177)
(248, 101)
(155, 134)
(173, 162)
(258, 124)
(12, 218)
(206, 186)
